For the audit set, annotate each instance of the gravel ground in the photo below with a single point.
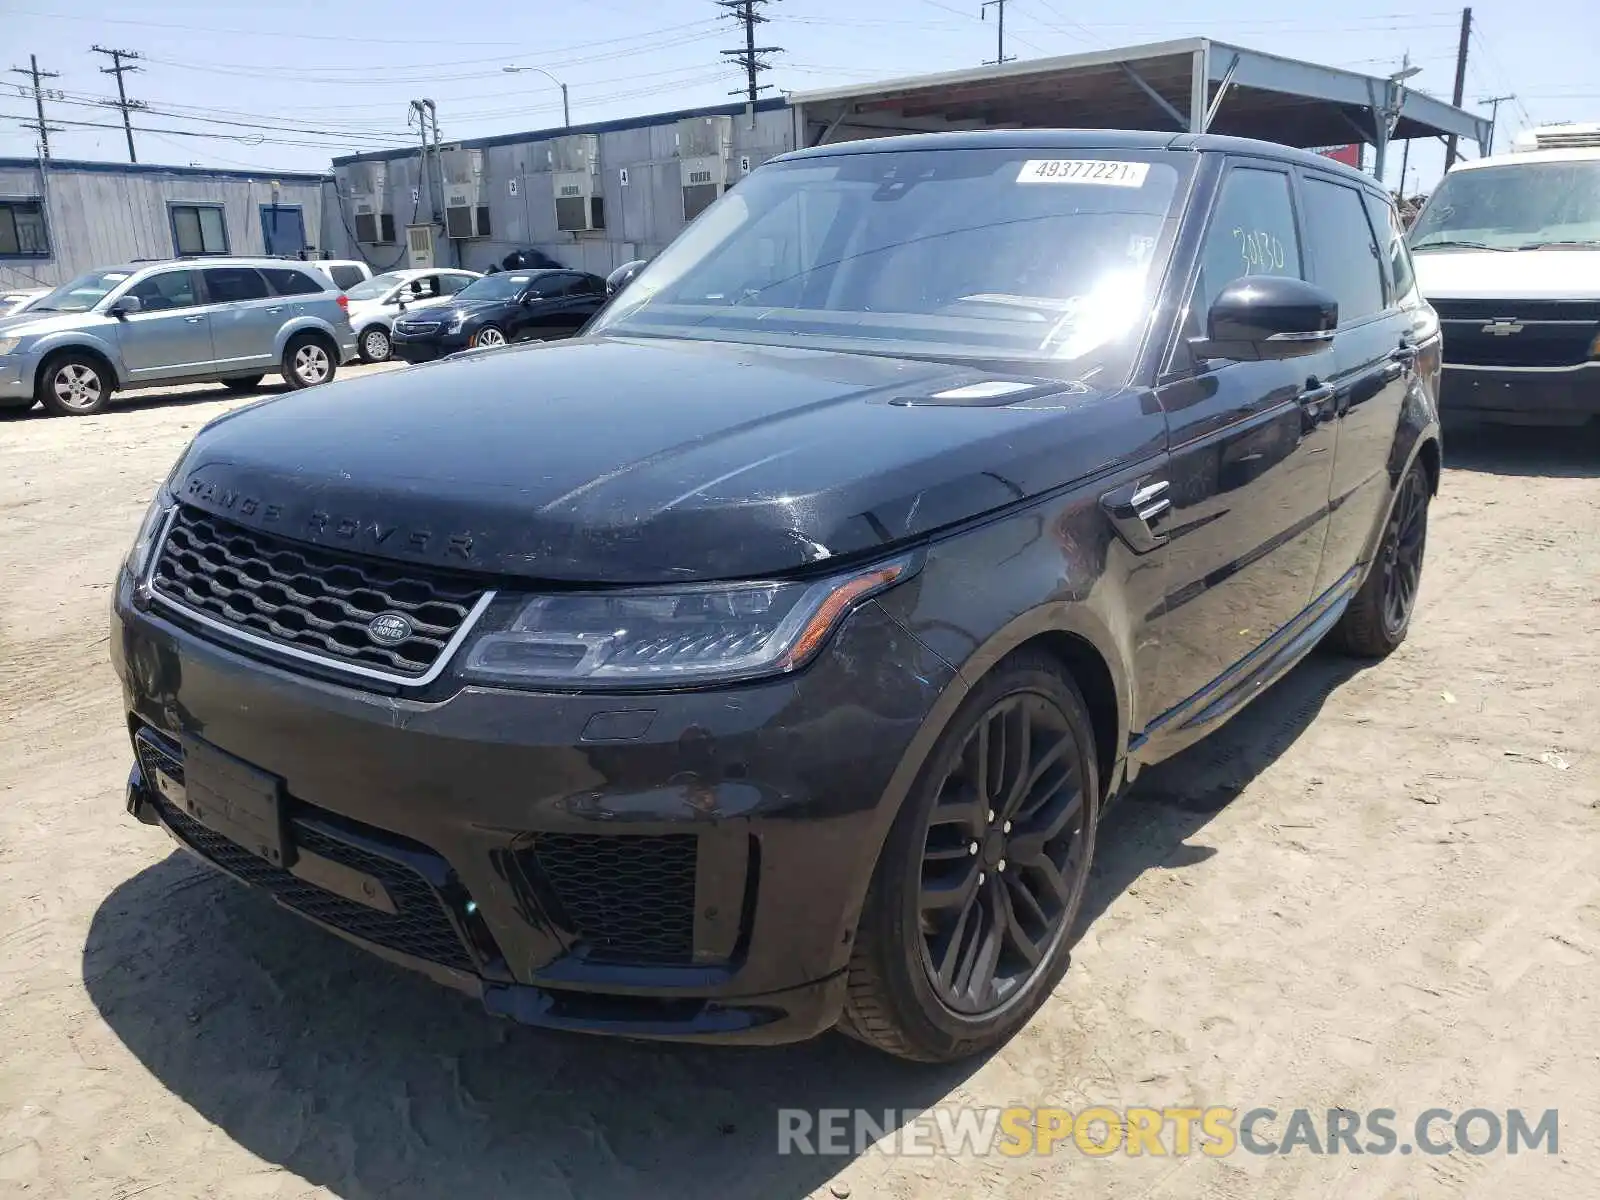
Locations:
(1379, 887)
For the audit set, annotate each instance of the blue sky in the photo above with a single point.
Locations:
(290, 84)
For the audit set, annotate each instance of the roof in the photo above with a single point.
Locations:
(225, 260)
(538, 135)
(1085, 139)
(115, 168)
(1576, 154)
(1155, 85)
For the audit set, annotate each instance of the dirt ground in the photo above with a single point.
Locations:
(1379, 887)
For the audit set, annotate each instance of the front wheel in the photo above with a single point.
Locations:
(307, 361)
(1379, 615)
(73, 385)
(375, 345)
(487, 337)
(969, 916)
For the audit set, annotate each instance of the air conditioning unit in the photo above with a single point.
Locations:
(575, 183)
(705, 144)
(466, 201)
(419, 247)
(1569, 136)
(368, 183)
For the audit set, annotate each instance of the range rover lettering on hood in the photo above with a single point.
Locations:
(646, 461)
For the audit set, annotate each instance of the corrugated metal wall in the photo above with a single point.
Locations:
(100, 217)
(641, 217)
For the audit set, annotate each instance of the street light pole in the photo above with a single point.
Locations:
(566, 111)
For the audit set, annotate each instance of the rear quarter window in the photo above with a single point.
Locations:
(345, 277)
(285, 281)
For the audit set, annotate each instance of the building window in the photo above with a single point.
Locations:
(198, 229)
(22, 230)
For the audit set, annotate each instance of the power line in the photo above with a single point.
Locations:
(39, 126)
(748, 13)
(127, 106)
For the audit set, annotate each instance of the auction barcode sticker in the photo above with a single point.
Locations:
(1105, 172)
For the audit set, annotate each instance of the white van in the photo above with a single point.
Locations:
(1507, 250)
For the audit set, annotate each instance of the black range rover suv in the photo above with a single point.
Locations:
(765, 658)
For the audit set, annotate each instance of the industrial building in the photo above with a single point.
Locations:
(59, 218)
(595, 196)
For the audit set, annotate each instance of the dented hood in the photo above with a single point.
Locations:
(644, 461)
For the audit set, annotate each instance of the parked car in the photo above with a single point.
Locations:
(1506, 252)
(346, 273)
(12, 303)
(766, 657)
(375, 303)
(512, 306)
(230, 320)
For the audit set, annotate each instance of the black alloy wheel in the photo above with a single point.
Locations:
(1403, 546)
(1004, 857)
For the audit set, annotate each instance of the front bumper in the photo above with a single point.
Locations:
(1522, 395)
(16, 378)
(427, 348)
(685, 866)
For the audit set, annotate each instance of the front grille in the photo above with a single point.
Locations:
(419, 927)
(414, 328)
(629, 898)
(1554, 333)
(308, 597)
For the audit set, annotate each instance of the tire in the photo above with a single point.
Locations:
(1379, 616)
(246, 383)
(74, 385)
(951, 838)
(489, 337)
(308, 360)
(375, 346)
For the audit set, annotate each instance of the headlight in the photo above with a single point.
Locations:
(454, 324)
(7, 345)
(672, 637)
(144, 542)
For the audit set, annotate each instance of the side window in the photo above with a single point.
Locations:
(449, 285)
(577, 285)
(547, 286)
(225, 284)
(288, 282)
(1349, 263)
(1252, 232)
(1387, 222)
(198, 229)
(169, 289)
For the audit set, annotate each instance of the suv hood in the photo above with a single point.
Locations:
(1509, 274)
(33, 322)
(641, 461)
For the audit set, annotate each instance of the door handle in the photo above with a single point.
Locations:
(193, 320)
(1405, 352)
(1395, 368)
(274, 311)
(1311, 402)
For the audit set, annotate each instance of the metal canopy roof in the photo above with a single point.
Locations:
(1191, 85)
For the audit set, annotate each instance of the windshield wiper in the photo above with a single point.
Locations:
(1458, 243)
(1563, 244)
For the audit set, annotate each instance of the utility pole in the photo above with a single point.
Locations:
(1405, 153)
(1000, 55)
(1461, 81)
(748, 56)
(119, 68)
(43, 130)
(1494, 114)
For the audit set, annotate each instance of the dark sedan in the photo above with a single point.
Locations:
(515, 306)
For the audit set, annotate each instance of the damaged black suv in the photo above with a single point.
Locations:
(765, 658)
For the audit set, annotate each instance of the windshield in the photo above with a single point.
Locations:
(83, 293)
(504, 286)
(1514, 207)
(988, 254)
(371, 289)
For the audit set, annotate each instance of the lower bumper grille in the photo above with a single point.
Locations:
(419, 927)
(629, 898)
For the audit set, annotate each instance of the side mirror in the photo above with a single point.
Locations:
(125, 307)
(623, 276)
(1258, 318)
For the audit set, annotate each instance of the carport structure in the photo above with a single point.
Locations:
(1193, 85)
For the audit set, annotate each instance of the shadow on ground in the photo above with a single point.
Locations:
(365, 1080)
(1524, 450)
